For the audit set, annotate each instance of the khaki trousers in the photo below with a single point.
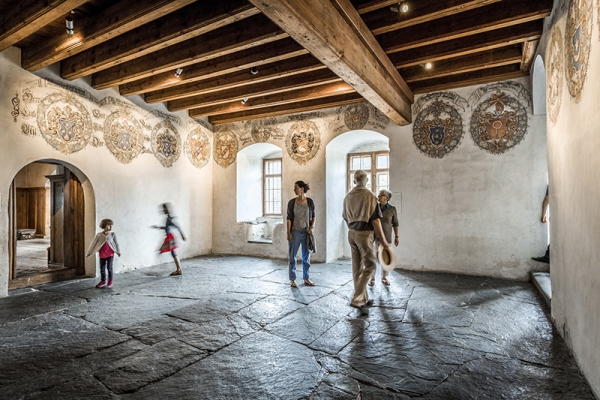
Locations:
(364, 263)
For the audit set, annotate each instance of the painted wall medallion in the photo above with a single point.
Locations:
(498, 123)
(64, 123)
(438, 127)
(166, 143)
(225, 148)
(578, 38)
(197, 148)
(303, 141)
(123, 136)
(356, 116)
(555, 74)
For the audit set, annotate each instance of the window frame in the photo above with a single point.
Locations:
(264, 191)
(372, 173)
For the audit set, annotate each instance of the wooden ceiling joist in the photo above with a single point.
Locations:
(333, 32)
(96, 29)
(27, 16)
(384, 20)
(471, 78)
(267, 73)
(529, 50)
(228, 64)
(245, 34)
(495, 16)
(189, 22)
(463, 64)
(365, 6)
(468, 45)
(309, 79)
(286, 109)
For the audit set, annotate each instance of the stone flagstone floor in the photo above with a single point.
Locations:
(232, 328)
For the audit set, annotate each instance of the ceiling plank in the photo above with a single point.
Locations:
(242, 35)
(365, 6)
(471, 78)
(384, 20)
(93, 30)
(311, 93)
(287, 109)
(26, 17)
(468, 45)
(293, 66)
(189, 22)
(495, 16)
(334, 33)
(529, 50)
(230, 63)
(295, 82)
(459, 65)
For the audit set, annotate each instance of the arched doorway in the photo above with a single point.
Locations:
(47, 210)
(337, 182)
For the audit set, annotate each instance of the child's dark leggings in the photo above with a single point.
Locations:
(106, 263)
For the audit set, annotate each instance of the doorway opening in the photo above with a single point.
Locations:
(47, 214)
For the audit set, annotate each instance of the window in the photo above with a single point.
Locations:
(272, 186)
(376, 165)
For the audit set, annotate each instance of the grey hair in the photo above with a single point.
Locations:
(386, 193)
(360, 178)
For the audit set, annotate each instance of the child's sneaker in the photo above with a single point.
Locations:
(101, 284)
(109, 283)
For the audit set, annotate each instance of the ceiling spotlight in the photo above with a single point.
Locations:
(428, 66)
(254, 71)
(178, 72)
(69, 23)
(400, 7)
(244, 100)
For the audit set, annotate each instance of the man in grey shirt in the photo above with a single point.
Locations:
(363, 215)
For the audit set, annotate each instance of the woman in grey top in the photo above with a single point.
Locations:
(388, 222)
(300, 224)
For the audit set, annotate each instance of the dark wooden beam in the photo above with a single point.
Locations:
(334, 33)
(228, 64)
(463, 64)
(495, 16)
(286, 109)
(384, 20)
(242, 35)
(269, 72)
(295, 82)
(192, 21)
(93, 30)
(365, 6)
(26, 17)
(529, 50)
(471, 78)
(469, 45)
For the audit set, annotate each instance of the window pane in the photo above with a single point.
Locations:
(354, 163)
(366, 163)
(382, 161)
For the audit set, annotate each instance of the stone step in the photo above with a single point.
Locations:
(541, 280)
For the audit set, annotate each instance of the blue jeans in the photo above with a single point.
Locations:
(106, 263)
(299, 238)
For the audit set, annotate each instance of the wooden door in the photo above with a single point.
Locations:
(74, 250)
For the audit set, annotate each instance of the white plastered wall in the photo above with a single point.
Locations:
(129, 194)
(574, 165)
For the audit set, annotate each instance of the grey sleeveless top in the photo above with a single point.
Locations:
(300, 222)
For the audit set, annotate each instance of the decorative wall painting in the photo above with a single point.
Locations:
(225, 147)
(123, 136)
(578, 38)
(303, 141)
(554, 56)
(197, 148)
(166, 143)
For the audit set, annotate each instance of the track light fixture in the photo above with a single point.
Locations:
(178, 72)
(244, 100)
(400, 7)
(428, 65)
(69, 23)
(254, 71)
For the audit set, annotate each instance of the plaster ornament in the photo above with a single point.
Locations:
(225, 148)
(555, 74)
(438, 127)
(166, 144)
(498, 123)
(265, 129)
(197, 148)
(64, 123)
(123, 136)
(356, 116)
(303, 141)
(578, 37)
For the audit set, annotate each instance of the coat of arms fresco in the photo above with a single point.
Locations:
(123, 136)
(554, 55)
(197, 148)
(225, 147)
(578, 38)
(303, 141)
(166, 144)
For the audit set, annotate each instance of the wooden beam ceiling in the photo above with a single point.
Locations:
(309, 54)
